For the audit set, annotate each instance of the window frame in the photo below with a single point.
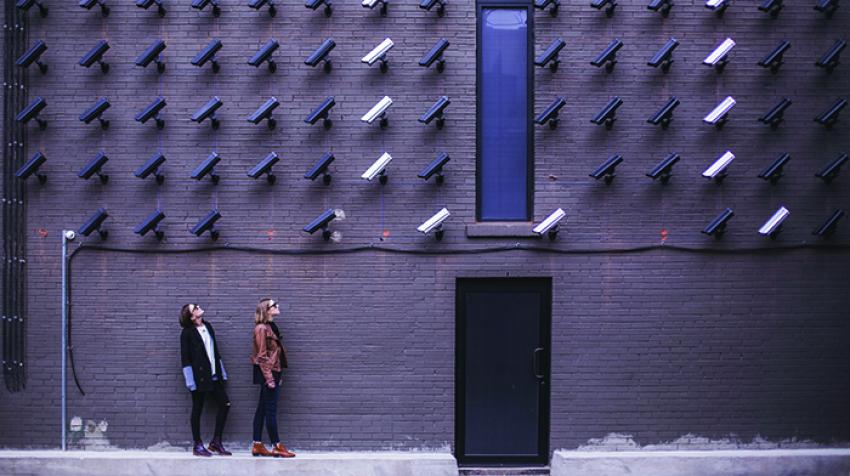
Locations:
(515, 4)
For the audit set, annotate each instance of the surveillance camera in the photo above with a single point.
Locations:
(828, 173)
(664, 115)
(771, 7)
(151, 223)
(208, 54)
(436, 111)
(152, 53)
(321, 168)
(148, 3)
(207, 167)
(265, 167)
(208, 111)
(201, 4)
(608, 57)
(608, 114)
(609, 9)
(32, 56)
(774, 171)
(379, 53)
(378, 169)
(608, 168)
(207, 223)
(69, 235)
(773, 226)
(322, 222)
(31, 168)
(315, 4)
(370, 4)
(152, 112)
(265, 55)
(89, 4)
(264, 113)
(773, 60)
(31, 112)
(550, 114)
(664, 56)
(550, 55)
(830, 59)
(435, 168)
(718, 58)
(258, 4)
(774, 117)
(25, 5)
(720, 114)
(322, 112)
(321, 55)
(550, 224)
(717, 227)
(95, 223)
(152, 167)
(827, 7)
(435, 224)
(429, 5)
(717, 6)
(379, 110)
(662, 6)
(95, 112)
(435, 54)
(95, 167)
(95, 55)
(830, 116)
(542, 4)
(664, 169)
(828, 227)
(718, 170)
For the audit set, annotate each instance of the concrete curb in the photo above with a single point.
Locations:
(135, 463)
(820, 462)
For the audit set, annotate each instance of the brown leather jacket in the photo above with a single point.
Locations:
(267, 351)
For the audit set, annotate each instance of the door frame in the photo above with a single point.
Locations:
(545, 286)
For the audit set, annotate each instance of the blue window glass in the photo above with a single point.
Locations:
(503, 114)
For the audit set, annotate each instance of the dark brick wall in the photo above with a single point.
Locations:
(657, 343)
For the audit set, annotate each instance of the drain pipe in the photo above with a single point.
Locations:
(67, 235)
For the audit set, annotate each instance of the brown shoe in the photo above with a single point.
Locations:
(215, 446)
(260, 450)
(281, 451)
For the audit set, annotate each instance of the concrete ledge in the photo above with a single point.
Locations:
(501, 230)
(820, 462)
(153, 463)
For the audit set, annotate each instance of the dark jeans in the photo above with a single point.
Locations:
(267, 410)
(221, 400)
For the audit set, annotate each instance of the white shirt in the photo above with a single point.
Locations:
(208, 345)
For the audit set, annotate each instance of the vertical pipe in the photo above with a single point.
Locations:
(66, 234)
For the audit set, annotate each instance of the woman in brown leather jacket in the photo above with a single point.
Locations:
(269, 358)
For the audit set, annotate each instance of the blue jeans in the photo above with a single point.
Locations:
(267, 410)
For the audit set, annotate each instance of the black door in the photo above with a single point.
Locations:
(502, 371)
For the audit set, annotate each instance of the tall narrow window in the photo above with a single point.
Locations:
(504, 165)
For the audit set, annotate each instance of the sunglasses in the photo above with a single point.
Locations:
(271, 306)
(192, 307)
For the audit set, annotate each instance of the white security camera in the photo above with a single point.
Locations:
(773, 226)
(550, 224)
(379, 110)
(717, 170)
(435, 224)
(378, 169)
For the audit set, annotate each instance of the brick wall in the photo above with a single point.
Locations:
(661, 343)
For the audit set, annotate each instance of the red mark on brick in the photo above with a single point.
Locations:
(269, 233)
(664, 234)
(42, 232)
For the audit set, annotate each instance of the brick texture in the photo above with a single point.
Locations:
(736, 337)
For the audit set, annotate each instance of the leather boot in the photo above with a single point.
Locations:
(199, 450)
(215, 446)
(260, 450)
(280, 451)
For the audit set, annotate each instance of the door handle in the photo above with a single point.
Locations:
(538, 364)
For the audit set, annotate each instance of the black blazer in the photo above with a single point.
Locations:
(194, 356)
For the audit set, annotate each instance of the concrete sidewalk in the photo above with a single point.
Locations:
(167, 463)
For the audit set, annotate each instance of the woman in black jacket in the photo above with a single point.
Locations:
(205, 375)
